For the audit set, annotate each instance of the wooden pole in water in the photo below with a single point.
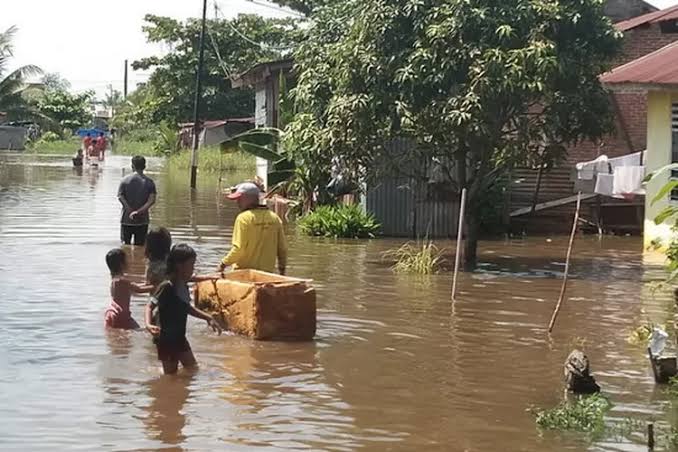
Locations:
(460, 236)
(650, 436)
(567, 264)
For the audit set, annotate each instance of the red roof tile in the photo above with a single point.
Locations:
(649, 18)
(657, 68)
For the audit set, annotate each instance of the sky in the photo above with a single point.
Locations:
(87, 41)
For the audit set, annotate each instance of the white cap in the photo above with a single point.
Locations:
(245, 189)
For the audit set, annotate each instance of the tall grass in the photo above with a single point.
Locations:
(211, 159)
(131, 146)
(419, 258)
(58, 147)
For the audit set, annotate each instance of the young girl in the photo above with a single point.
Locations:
(174, 307)
(118, 314)
(158, 245)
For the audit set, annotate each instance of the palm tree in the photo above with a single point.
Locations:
(13, 86)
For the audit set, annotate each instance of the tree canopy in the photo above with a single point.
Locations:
(478, 86)
(232, 46)
(13, 84)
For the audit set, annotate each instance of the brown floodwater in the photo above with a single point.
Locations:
(395, 366)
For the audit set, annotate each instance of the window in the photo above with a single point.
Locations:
(674, 145)
(669, 26)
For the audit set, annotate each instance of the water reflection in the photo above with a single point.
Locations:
(165, 420)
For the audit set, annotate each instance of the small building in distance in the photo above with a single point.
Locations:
(265, 79)
(655, 75)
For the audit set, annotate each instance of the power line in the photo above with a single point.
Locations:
(277, 8)
(262, 45)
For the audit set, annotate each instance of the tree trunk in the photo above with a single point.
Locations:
(472, 235)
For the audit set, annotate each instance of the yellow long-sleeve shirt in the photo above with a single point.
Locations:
(258, 241)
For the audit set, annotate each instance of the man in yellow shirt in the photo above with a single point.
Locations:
(258, 236)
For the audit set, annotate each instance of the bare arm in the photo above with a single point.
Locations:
(148, 319)
(202, 278)
(195, 312)
(142, 288)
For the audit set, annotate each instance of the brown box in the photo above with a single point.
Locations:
(261, 305)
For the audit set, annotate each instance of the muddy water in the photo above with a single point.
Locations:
(395, 366)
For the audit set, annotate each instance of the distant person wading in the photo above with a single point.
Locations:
(137, 195)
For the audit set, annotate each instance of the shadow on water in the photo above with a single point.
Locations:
(396, 365)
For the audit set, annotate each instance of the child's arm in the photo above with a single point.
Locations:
(195, 312)
(142, 288)
(148, 318)
(202, 278)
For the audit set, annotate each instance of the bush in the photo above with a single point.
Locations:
(49, 137)
(584, 414)
(339, 222)
(422, 259)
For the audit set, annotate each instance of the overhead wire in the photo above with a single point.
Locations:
(244, 37)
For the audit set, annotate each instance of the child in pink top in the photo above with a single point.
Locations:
(118, 314)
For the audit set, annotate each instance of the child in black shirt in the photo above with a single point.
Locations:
(174, 307)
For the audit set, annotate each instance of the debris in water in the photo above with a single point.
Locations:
(577, 374)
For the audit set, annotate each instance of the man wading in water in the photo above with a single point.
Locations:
(258, 236)
(137, 195)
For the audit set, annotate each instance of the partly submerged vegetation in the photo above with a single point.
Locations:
(418, 258)
(582, 414)
(211, 159)
(339, 221)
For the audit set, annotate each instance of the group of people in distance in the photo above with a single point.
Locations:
(92, 148)
(258, 243)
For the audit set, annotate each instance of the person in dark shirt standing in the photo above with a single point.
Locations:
(137, 195)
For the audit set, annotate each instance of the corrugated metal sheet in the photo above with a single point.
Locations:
(650, 18)
(393, 203)
(657, 68)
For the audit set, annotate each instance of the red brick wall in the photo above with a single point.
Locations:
(632, 105)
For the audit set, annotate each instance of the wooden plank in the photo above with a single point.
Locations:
(551, 204)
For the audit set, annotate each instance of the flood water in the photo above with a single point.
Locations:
(395, 366)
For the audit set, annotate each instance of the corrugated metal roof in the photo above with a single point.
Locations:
(657, 68)
(650, 18)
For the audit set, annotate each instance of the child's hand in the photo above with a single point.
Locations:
(154, 330)
(214, 325)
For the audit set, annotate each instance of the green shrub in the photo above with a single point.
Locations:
(339, 222)
(421, 258)
(583, 414)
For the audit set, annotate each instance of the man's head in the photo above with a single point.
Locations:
(101, 134)
(138, 163)
(247, 195)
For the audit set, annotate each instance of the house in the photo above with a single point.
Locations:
(13, 138)
(655, 75)
(214, 132)
(642, 35)
(265, 79)
(404, 207)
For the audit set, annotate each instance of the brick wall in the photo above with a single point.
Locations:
(632, 105)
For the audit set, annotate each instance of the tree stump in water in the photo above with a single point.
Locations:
(577, 374)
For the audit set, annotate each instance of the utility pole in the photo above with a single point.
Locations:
(198, 95)
(124, 89)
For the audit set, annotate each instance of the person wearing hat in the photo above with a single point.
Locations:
(258, 236)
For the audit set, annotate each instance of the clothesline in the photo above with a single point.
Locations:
(618, 177)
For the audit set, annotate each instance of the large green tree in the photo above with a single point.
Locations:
(64, 111)
(232, 46)
(13, 86)
(479, 86)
